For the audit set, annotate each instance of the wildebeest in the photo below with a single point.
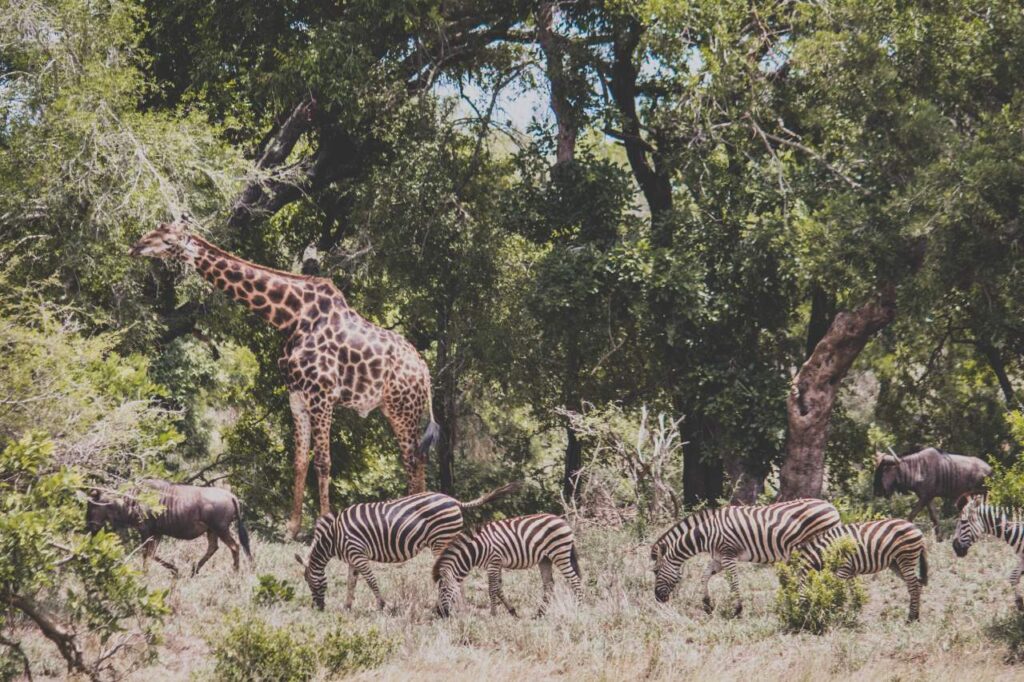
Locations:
(188, 512)
(930, 474)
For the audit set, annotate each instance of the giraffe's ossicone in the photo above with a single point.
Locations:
(331, 356)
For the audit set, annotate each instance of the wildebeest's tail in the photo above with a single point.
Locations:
(506, 489)
(433, 430)
(574, 560)
(922, 566)
(243, 533)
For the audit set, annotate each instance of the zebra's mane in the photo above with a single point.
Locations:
(464, 538)
(688, 522)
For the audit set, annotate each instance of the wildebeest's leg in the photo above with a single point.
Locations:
(300, 418)
(211, 548)
(935, 520)
(363, 566)
(921, 503)
(548, 585)
(907, 569)
(494, 588)
(225, 536)
(149, 552)
(714, 566)
(729, 566)
(353, 578)
(1015, 581)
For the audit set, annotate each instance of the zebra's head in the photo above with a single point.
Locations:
(451, 567)
(326, 541)
(677, 545)
(969, 526)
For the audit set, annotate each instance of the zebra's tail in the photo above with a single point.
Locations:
(243, 533)
(575, 561)
(506, 489)
(922, 566)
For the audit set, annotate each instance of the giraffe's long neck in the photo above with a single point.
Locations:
(278, 297)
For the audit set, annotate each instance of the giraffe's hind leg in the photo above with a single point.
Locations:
(404, 417)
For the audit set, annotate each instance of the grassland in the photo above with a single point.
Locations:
(620, 633)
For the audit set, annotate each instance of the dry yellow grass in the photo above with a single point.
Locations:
(619, 634)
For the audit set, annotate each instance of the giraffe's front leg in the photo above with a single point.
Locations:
(301, 420)
(321, 418)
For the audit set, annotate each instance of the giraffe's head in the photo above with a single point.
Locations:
(168, 240)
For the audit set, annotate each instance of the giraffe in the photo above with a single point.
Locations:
(331, 356)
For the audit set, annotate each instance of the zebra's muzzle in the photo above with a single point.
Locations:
(960, 549)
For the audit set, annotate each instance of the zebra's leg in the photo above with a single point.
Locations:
(211, 548)
(1015, 581)
(908, 571)
(714, 566)
(568, 571)
(363, 566)
(232, 545)
(149, 551)
(548, 582)
(729, 566)
(494, 589)
(353, 578)
(935, 520)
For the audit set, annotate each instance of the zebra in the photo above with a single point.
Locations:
(188, 512)
(890, 543)
(540, 540)
(384, 532)
(761, 534)
(979, 518)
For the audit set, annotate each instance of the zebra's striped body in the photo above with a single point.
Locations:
(384, 532)
(979, 518)
(521, 542)
(760, 534)
(892, 543)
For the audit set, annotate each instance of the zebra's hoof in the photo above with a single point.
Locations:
(512, 612)
(381, 605)
(737, 610)
(1019, 601)
(708, 606)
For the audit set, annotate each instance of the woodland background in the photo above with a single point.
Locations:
(699, 192)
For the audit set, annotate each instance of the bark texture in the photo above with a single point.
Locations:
(813, 394)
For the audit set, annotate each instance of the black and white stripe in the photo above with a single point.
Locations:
(539, 540)
(891, 543)
(979, 518)
(384, 532)
(760, 534)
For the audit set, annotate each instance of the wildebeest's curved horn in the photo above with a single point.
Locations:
(298, 557)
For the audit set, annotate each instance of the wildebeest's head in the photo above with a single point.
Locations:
(969, 526)
(102, 510)
(886, 470)
(168, 240)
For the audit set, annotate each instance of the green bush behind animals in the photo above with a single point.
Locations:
(819, 601)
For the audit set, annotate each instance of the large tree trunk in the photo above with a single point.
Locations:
(702, 474)
(746, 477)
(446, 397)
(995, 361)
(571, 400)
(814, 390)
(553, 45)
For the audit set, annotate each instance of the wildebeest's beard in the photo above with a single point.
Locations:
(885, 480)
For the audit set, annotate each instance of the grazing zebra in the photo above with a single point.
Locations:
(761, 534)
(979, 518)
(520, 542)
(188, 512)
(385, 532)
(892, 543)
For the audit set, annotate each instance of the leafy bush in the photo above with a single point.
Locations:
(255, 650)
(818, 601)
(1006, 485)
(1009, 630)
(346, 652)
(270, 591)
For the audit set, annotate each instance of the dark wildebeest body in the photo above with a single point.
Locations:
(930, 474)
(188, 512)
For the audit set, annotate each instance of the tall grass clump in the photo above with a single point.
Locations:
(1009, 630)
(816, 601)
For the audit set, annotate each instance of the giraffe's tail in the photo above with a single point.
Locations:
(433, 430)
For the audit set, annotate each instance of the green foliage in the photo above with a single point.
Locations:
(271, 590)
(255, 650)
(818, 601)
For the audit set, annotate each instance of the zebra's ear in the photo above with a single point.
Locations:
(298, 557)
(963, 501)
